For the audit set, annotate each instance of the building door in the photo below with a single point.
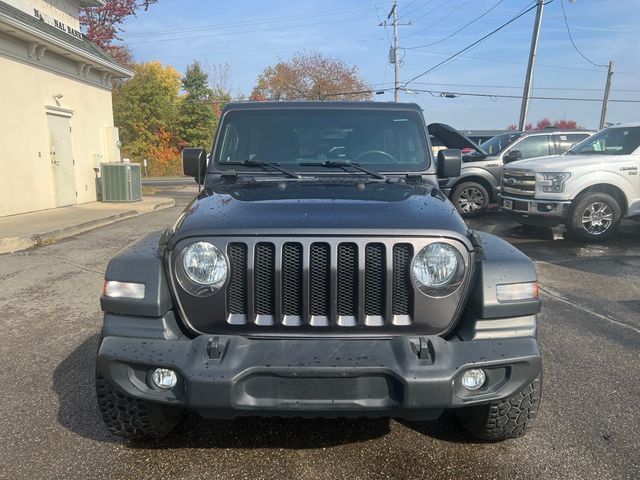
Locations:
(62, 162)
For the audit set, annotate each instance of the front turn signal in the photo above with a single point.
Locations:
(515, 292)
(114, 289)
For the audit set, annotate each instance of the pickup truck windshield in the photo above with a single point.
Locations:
(302, 139)
(610, 141)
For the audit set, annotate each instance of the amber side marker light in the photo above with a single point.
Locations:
(515, 292)
(114, 289)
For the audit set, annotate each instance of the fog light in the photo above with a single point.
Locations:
(473, 379)
(164, 378)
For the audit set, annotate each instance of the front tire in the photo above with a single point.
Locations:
(503, 419)
(594, 217)
(131, 418)
(470, 198)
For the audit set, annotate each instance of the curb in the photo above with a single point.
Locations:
(24, 242)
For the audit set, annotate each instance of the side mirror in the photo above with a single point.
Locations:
(194, 163)
(513, 156)
(449, 163)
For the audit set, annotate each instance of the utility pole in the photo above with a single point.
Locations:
(530, 67)
(605, 100)
(393, 53)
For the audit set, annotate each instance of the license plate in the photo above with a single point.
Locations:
(508, 204)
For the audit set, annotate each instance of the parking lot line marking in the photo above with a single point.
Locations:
(563, 299)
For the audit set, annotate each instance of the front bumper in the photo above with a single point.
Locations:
(228, 376)
(544, 212)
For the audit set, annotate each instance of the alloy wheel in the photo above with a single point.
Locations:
(470, 200)
(597, 218)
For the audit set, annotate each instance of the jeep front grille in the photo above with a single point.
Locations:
(519, 182)
(322, 283)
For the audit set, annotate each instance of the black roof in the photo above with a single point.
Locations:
(296, 104)
(82, 44)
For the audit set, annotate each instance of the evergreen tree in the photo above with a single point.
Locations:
(197, 118)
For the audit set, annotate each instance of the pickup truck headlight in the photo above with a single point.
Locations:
(201, 268)
(552, 182)
(438, 269)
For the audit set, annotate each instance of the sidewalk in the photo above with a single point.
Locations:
(19, 232)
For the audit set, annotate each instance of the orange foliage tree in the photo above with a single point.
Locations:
(311, 77)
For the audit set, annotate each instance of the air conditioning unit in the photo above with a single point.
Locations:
(121, 182)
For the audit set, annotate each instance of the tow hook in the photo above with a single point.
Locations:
(423, 348)
(214, 349)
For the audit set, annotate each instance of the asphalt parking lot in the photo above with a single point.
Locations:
(588, 425)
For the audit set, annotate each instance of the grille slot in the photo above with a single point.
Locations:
(320, 279)
(347, 278)
(237, 288)
(402, 289)
(264, 282)
(375, 279)
(292, 269)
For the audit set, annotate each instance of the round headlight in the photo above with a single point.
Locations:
(438, 269)
(201, 269)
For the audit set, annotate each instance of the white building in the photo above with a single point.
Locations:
(56, 118)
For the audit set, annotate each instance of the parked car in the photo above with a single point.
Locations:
(589, 189)
(302, 285)
(480, 178)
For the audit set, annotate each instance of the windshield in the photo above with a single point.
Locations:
(381, 140)
(498, 143)
(610, 141)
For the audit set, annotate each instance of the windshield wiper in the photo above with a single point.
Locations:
(344, 166)
(275, 166)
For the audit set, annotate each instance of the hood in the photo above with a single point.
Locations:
(320, 208)
(558, 163)
(452, 138)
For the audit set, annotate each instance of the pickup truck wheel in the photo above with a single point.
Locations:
(594, 217)
(134, 419)
(470, 198)
(503, 419)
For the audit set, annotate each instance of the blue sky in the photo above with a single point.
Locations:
(250, 35)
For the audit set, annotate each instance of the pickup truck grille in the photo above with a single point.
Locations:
(323, 283)
(519, 182)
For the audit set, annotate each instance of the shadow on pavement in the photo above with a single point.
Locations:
(73, 382)
(446, 429)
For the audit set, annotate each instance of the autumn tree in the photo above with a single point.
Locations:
(197, 117)
(542, 124)
(311, 77)
(567, 124)
(546, 123)
(146, 109)
(103, 24)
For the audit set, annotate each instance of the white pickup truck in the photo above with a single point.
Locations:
(589, 189)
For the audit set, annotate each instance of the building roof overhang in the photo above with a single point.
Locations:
(44, 37)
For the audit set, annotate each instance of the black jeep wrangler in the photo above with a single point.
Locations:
(320, 272)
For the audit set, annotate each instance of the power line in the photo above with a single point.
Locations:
(431, 11)
(566, 22)
(259, 50)
(451, 57)
(517, 97)
(418, 8)
(218, 34)
(577, 89)
(459, 29)
(257, 21)
(410, 3)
